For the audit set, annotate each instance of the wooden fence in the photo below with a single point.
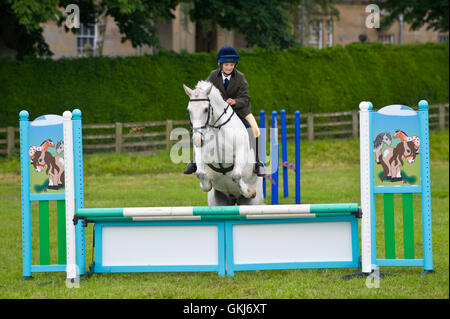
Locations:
(147, 137)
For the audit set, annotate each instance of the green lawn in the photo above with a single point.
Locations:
(329, 174)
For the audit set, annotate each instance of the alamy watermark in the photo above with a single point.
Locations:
(73, 17)
(73, 280)
(218, 146)
(373, 19)
(373, 280)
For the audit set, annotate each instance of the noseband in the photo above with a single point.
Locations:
(210, 110)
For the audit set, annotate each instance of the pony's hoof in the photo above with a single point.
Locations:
(251, 193)
(206, 187)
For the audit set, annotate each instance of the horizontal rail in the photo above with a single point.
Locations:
(219, 210)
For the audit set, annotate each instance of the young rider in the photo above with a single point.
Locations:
(234, 89)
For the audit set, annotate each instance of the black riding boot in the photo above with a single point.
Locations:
(259, 166)
(191, 168)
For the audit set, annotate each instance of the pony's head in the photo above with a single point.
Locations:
(400, 134)
(410, 152)
(38, 160)
(60, 147)
(387, 139)
(406, 150)
(199, 109)
(48, 142)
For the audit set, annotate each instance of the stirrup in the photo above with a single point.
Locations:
(191, 168)
(260, 169)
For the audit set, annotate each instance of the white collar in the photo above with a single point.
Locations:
(225, 77)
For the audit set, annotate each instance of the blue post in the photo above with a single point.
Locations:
(297, 157)
(426, 189)
(262, 148)
(274, 158)
(79, 187)
(284, 153)
(25, 190)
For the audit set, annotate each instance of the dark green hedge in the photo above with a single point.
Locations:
(150, 87)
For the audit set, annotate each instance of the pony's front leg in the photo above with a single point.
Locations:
(237, 172)
(205, 180)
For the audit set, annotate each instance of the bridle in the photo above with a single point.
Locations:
(199, 129)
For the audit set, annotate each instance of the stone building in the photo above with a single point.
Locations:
(182, 34)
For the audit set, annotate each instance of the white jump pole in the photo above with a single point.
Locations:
(71, 269)
(364, 125)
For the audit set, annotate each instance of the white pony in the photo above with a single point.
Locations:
(225, 160)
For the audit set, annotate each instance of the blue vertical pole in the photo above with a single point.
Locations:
(25, 190)
(426, 189)
(284, 153)
(297, 157)
(262, 148)
(274, 158)
(79, 187)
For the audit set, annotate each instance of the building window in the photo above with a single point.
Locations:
(86, 38)
(386, 38)
(316, 34)
(330, 33)
(442, 38)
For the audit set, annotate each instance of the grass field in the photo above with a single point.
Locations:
(329, 174)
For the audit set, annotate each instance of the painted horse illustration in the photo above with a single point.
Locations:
(43, 147)
(222, 149)
(60, 147)
(382, 138)
(55, 168)
(392, 160)
(405, 138)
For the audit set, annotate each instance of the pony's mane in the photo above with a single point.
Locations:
(214, 95)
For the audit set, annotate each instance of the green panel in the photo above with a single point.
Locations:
(338, 214)
(44, 233)
(333, 208)
(61, 209)
(217, 210)
(408, 225)
(389, 226)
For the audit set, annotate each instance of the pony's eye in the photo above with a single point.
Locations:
(408, 151)
(205, 110)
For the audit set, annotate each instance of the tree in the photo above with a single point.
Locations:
(135, 19)
(20, 29)
(263, 22)
(432, 13)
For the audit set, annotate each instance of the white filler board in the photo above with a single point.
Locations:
(226, 246)
(159, 246)
(292, 244)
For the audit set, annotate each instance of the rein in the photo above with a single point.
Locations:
(222, 169)
(211, 110)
